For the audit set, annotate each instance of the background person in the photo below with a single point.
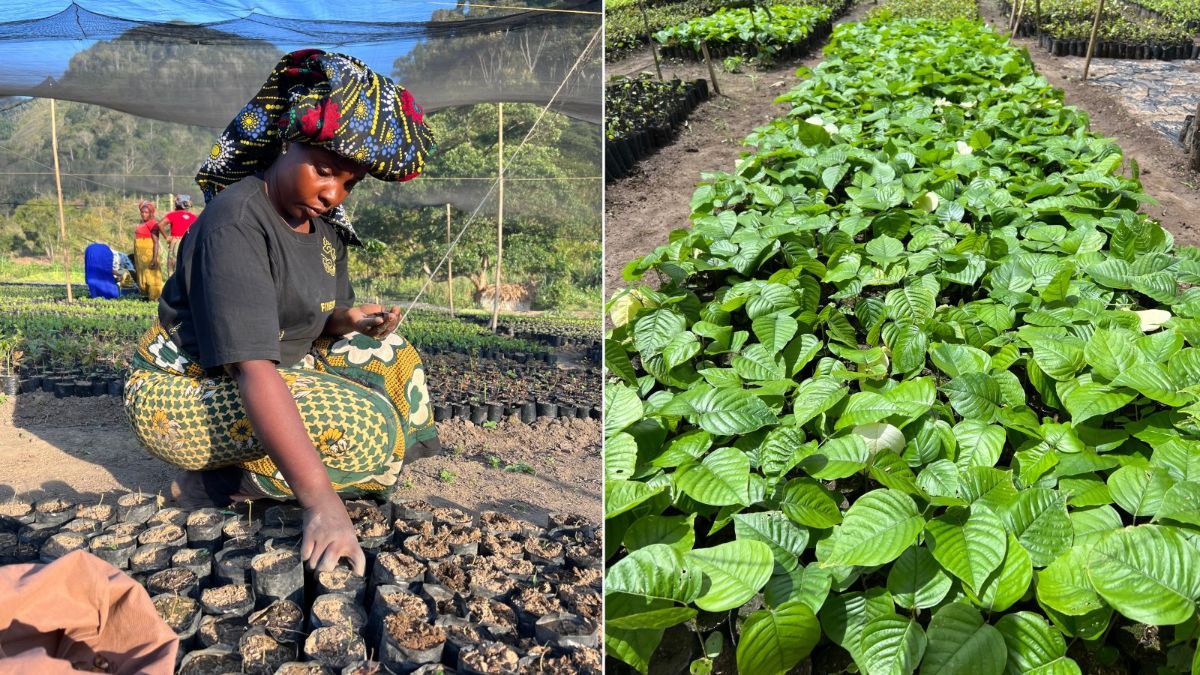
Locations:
(145, 252)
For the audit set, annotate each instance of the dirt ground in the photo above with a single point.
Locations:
(642, 208)
(82, 448)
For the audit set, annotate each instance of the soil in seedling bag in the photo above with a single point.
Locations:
(278, 575)
(204, 528)
(181, 614)
(337, 610)
(230, 599)
(151, 557)
(283, 619)
(166, 534)
(302, 668)
(169, 516)
(263, 654)
(334, 647)
(231, 564)
(173, 580)
(198, 560)
(344, 581)
(221, 630)
(137, 507)
(400, 569)
(211, 661)
(61, 544)
(487, 658)
(113, 549)
(393, 600)
(53, 511)
(105, 513)
(408, 642)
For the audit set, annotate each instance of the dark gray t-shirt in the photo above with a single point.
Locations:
(248, 287)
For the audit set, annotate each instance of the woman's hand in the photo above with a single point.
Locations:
(375, 321)
(329, 536)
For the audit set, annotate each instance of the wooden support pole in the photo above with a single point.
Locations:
(650, 39)
(62, 216)
(1017, 24)
(1087, 63)
(449, 264)
(1195, 141)
(499, 221)
(712, 74)
(1037, 6)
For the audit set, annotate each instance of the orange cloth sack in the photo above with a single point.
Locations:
(80, 613)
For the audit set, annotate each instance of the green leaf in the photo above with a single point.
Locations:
(979, 444)
(1085, 401)
(960, 642)
(786, 539)
(756, 363)
(678, 532)
(622, 407)
(876, 529)
(680, 349)
(1064, 584)
(844, 616)
(623, 495)
(1181, 504)
(637, 612)
(1007, 584)
(634, 647)
(1139, 490)
(733, 573)
(908, 349)
(774, 331)
(817, 395)
(721, 479)
(892, 645)
(620, 457)
(1111, 352)
(1060, 359)
(782, 449)
(774, 641)
(955, 360)
(808, 584)
(1034, 646)
(968, 542)
(1039, 520)
(809, 503)
(654, 330)
(914, 303)
(655, 571)
(837, 458)
(864, 408)
(916, 581)
(974, 396)
(1148, 573)
(732, 411)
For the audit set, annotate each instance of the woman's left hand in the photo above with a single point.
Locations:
(374, 320)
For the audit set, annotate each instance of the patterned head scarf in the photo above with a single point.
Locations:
(147, 204)
(330, 101)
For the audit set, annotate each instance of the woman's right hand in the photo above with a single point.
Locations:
(329, 536)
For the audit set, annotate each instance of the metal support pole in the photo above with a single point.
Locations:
(1087, 64)
(62, 216)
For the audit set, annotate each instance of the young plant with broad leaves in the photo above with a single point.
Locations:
(917, 389)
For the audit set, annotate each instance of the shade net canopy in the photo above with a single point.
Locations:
(194, 65)
(142, 58)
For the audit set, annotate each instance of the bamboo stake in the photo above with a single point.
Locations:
(650, 39)
(62, 216)
(1017, 24)
(1087, 63)
(499, 221)
(712, 74)
(449, 265)
(1195, 141)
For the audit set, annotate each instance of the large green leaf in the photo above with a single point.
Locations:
(975, 396)
(622, 407)
(817, 395)
(1148, 573)
(837, 458)
(654, 330)
(656, 571)
(1040, 522)
(620, 456)
(1009, 582)
(808, 584)
(968, 542)
(1139, 490)
(1064, 584)
(730, 411)
(733, 573)
(1034, 646)
(845, 614)
(1085, 401)
(774, 331)
(809, 503)
(622, 495)
(876, 529)
(916, 580)
(979, 444)
(865, 407)
(960, 642)
(1060, 359)
(891, 645)
(678, 532)
(775, 640)
(722, 478)
(786, 539)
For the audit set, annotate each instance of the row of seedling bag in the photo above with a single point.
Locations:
(443, 588)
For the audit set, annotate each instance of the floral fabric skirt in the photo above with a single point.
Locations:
(364, 402)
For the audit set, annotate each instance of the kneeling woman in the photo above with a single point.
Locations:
(261, 377)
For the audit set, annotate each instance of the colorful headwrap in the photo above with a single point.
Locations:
(146, 203)
(330, 101)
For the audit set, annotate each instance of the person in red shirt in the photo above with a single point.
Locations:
(145, 252)
(175, 224)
